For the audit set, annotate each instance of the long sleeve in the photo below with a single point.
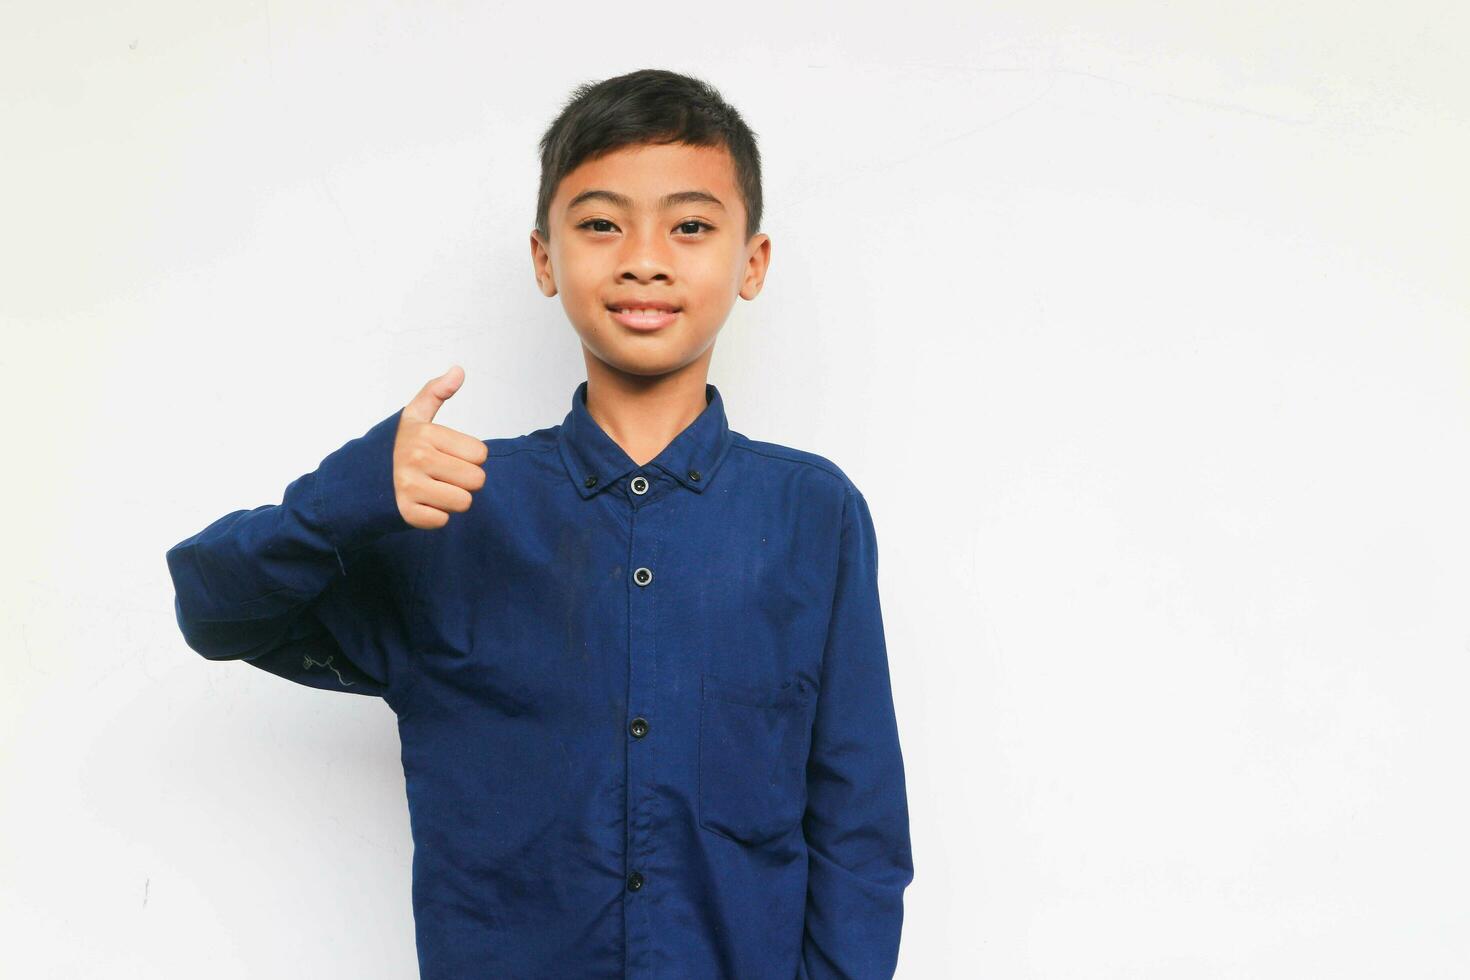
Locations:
(293, 588)
(856, 821)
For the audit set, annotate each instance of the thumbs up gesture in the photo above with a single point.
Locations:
(435, 468)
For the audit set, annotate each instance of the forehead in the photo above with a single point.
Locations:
(646, 172)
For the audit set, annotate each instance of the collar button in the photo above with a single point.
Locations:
(694, 475)
(590, 482)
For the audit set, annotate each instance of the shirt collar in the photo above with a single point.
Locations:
(594, 461)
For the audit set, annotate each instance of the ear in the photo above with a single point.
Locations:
(541, 264)
(756, 264)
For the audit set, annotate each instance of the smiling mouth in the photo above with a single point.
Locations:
(638, 319)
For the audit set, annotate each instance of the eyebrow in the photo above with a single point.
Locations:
(626, 202)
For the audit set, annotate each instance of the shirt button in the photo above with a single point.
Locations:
(642, 576)
(694, 475)
(639, 484)
(639, 727)
(635, 881)
(590, 482)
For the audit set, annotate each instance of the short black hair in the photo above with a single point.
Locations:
(650, 105)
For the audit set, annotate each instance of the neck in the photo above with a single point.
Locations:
(643, 414)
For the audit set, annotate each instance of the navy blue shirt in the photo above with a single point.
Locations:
(645, 712)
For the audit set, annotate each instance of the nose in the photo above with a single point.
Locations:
(645, 257)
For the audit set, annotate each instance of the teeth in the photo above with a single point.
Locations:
(645, 312)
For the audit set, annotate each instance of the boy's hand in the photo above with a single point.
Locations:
(435, 468)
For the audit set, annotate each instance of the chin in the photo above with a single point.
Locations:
(648, 363)
(644, 367)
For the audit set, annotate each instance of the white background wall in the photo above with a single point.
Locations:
(1143, 327)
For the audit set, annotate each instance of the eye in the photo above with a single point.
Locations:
(697, 225)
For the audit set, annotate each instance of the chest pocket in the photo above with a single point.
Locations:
(753, 745)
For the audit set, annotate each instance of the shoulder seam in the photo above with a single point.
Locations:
(830, 471)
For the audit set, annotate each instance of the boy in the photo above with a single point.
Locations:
(637, 659)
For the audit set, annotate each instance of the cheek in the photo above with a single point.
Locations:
(577, 267)
(580, 289)
(714, 275)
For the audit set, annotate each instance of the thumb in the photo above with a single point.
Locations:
(432, 396)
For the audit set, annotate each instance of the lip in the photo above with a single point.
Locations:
(637, 321)
(642, 303)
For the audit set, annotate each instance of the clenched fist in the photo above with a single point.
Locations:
(435, 468)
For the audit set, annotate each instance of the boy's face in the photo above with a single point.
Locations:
(689, 252)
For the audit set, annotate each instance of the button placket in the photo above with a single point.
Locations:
(642, 800)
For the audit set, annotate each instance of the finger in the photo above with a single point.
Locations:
(440, 495)
(450, 469)
(465, 447)
(422, 515)
(432, 396)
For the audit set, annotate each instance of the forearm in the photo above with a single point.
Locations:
(856, 823)
(243, 580)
